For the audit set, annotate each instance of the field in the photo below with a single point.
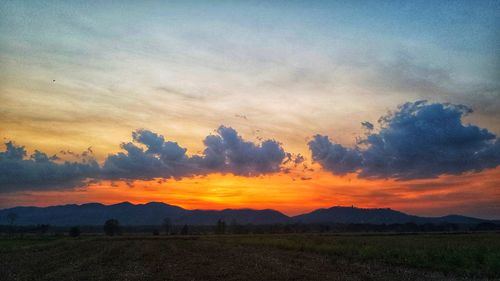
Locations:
(252, 257)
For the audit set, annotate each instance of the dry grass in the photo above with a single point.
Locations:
(259, 257)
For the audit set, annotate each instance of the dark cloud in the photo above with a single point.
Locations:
(296, 159)
(137, 163)
(149, 156)
(228, 152)
(334, 157)
(419, 140)
(39, 171)
(225, 152)
(367, 125)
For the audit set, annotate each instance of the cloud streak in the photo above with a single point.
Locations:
(419, 140)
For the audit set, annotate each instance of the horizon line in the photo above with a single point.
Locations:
(266, 209)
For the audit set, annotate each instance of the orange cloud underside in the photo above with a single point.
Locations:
(292, 193)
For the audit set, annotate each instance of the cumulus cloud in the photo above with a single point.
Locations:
(39, 171)
(148, 156)
(419, 140)
(228, 152)
(225, 152)
(334, 157)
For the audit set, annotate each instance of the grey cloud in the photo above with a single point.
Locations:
(228, 152)
(419, 140)
(149, 156)
(39, 171)
(334, 157)
(367, 125)
(225, 152)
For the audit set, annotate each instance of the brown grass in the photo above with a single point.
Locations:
(258, 257)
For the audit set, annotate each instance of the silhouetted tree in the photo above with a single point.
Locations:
(156, 232)
(12, 217)
(167, 225)
(112, 227)
(486, 226)
(221, 227)
(234, 227)
(42, 228)
(74, 231)
(185, 230)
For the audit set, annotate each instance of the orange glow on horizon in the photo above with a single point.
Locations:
(288, 193)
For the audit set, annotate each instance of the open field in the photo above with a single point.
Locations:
(253, 257)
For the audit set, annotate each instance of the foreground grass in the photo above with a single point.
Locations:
(460, 254)
(252, 257)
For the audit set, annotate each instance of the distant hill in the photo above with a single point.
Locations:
(355, 215)
(153, 213)
(375, 216)
(94, 214)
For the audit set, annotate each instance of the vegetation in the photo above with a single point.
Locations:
(11, 218)
(112, 227)
(465, 254)
(42, 229)
(252, 257)
(74, 231)
(167, 225)
(185, 230)
(220, 228)
(235, 228)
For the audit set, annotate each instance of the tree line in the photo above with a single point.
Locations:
(112, 227)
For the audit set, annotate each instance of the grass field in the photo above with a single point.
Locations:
(253, 257)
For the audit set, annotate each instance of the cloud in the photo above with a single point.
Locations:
(179, 93)
(404, 74)
(148, 156)
(419, 140)
(40, 171)
(225, 152)
(367, 125)
(242, 157)
(334, 157)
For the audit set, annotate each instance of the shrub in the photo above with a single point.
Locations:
(167, 225)
(74, 231)
(112, 227)
(185, 230)
(220, 228)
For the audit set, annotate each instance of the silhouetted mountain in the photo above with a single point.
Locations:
(94, 214)
(355, 215)
(141, 214)
(458, 219)
(375, 216)
(153, 213)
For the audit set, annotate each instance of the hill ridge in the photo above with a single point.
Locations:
(153, 213)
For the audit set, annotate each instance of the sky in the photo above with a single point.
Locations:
(289, 105)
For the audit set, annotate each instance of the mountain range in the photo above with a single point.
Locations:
(154, 213)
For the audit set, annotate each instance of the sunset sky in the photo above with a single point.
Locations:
(289, 105)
